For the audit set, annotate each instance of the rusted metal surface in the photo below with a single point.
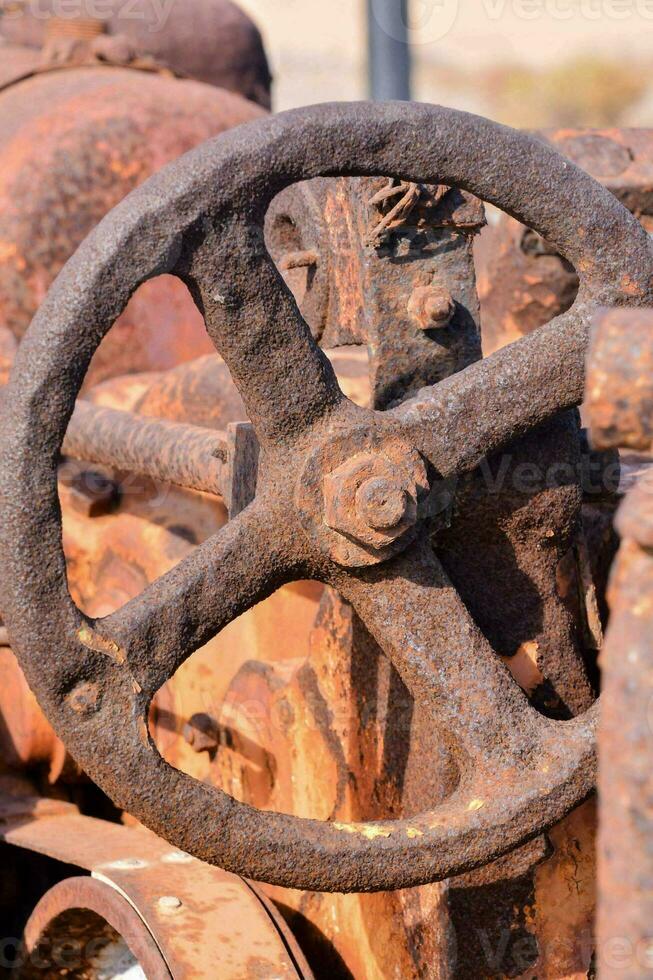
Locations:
(212, 41)
(26, 738)
(16, 62)
(621, 410)
(264, 764)
(100, 132)
(85, 925)
(523, 280)
(620, 380)
(116, 544)
(192, 919)
(360, 292)
(519, 772)
(187, 455)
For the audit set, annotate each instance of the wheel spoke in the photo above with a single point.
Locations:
(226, 575)
(285, 380)
(418, 618)
(479, 410)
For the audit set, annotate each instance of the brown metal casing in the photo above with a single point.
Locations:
(211, 41)
(100, 133)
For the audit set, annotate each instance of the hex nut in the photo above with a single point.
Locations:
(370, 499)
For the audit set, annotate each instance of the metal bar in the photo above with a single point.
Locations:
(185, 455)
(620, 407)
(389, 62)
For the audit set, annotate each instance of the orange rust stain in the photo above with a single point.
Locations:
(629, 286)
(563, 912)
(125, 170)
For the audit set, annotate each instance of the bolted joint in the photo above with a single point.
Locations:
(432, 307)
(381, 504)
(371, 500)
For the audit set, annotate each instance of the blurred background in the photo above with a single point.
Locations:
(522, 62)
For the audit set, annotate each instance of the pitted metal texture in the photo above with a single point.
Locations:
(202, 220)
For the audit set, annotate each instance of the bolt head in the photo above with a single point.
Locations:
(432, 307)
(370, 500)
(381, 503)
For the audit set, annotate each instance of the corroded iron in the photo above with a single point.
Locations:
(420, 272)
(523, 280)
(519, 772)
(100, 131)
(620, 381)
(212, 41)
(621, 413)
(188, 456)
(181, 919)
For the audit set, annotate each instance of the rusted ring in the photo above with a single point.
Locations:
(80, 922)
(201, 219)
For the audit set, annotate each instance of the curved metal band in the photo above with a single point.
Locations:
(200, 219)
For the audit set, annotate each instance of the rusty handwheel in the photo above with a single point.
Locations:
(342, 497)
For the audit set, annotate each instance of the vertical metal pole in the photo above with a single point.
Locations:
(388, 49)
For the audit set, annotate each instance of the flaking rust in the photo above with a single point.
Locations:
(499, 765)
(408, 603)
(621, 413)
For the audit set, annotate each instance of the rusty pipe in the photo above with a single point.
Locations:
(185, 455)
(620, 406)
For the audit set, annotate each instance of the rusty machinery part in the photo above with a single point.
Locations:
(73, 44)
(100, 133)
(202, 220)
(369, 259)
(212, 41)
(190, 456)
(523, 281)
(620, 380)
(144, 904)
(186, 455)
(620, 409)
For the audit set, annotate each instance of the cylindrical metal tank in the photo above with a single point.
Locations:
(212, 41)
(73, 143)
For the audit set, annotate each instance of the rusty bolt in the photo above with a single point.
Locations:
(202, 733)
(381, 503)
(370, 499)
(432, 306)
